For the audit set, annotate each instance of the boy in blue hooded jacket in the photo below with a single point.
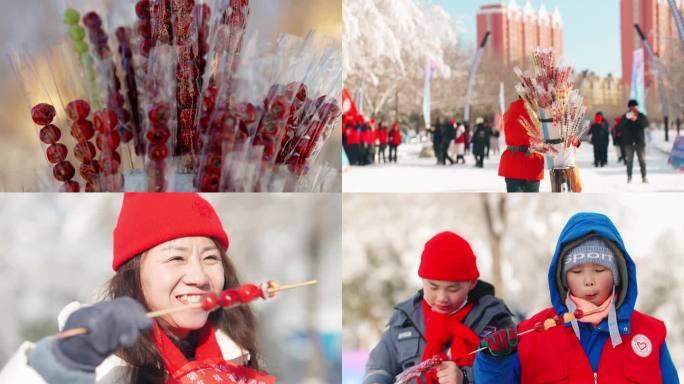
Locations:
(593, 276)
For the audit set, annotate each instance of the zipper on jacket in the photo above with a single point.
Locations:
(595, 378)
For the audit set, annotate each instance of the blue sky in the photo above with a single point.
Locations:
(591, 29)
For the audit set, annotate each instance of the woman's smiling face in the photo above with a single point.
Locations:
(179, 272)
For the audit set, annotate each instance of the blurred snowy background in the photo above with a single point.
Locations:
(36, 25)
(514, 237)
(58, 248)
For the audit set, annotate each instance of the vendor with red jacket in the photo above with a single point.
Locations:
(591, 271)
(522, 167)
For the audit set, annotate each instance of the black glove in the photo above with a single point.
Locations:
(111, 324)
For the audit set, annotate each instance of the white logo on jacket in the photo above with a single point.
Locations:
(641, 345)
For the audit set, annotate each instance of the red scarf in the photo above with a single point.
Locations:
(442, 330)
(208, 367)
(174, 359)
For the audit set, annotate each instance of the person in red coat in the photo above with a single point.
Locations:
(591, 333)
(522, 167)
(395, 140)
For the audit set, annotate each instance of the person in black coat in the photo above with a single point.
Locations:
(437, 140)
(632, 126)
(599, 139)
(480, 141)
(448, 134)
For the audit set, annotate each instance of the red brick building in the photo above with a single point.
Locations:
(657, 23)
(516, 31)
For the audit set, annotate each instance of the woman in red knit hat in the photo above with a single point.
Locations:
(169, 251)
(447, 318)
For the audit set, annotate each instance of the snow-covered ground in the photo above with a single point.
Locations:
(415, 174)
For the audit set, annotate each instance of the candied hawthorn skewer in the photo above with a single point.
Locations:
(229, 298)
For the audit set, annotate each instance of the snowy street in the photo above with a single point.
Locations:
(415, 174)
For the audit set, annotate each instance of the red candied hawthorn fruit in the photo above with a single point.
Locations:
(210, 97)
(70, 186)
(110, 165)
(78, 110)
(50, 134)
(89, 170)
(105, 120)
(108, 141)
(228, 298)
(43, 114)
(126, 133)
(578, 314)
(82, 130)
(56, 153)
(158, 135)
(248, 292)
(279, 107)
(64, 171)
(142, 9)
(210, 181)
(92, 20)
(558, 320)
(159, 114)
(84, 152)
(158, 152)
(539, 326)
(210, 302)
(144, 29)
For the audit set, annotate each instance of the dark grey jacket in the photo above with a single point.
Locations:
(402, 344)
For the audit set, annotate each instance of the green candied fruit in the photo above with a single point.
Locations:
(77, 32)
(85, 59)
(81, 47)
(71, 17)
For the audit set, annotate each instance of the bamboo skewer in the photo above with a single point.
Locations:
(82, 331)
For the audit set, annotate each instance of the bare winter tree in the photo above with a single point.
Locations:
(387, 44)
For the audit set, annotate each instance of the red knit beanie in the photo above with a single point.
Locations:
(447, 256)
(149, 219)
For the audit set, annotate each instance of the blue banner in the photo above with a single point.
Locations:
(430, 68)
(638, 90)
(677, 154)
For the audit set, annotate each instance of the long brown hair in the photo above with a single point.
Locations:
(238, 323)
